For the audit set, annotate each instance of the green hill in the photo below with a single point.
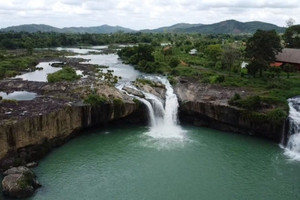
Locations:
(32, 28)
(224, 27)
(233, 27)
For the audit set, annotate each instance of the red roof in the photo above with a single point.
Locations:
(276, 64)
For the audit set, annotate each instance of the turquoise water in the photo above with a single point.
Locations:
(124, 163)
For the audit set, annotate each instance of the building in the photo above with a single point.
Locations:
(289, 56)
(193, 52)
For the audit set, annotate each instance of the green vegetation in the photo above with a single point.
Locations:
(261, 49)
(145, 82)
(108, 77)
(292, 36)
(26, 180)
(65, 74)
(13, 62)
(217, 61)
(95, 100)
(9, 101)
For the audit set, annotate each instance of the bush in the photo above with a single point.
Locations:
(276, 115)
(174, 62)
(65, 74)
(9, 101)
(250, 103)
(118, 102)
(217, 79)
(95, 99)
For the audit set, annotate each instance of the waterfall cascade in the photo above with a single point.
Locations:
(293, 145)
(162, 114)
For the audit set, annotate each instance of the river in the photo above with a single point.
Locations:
(126, 163)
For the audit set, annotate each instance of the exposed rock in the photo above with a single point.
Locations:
(19, 182)
(207, 105)
(134, 92)
(156, 89)
(32, 165)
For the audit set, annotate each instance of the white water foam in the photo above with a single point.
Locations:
(162, 114)
(166, 126)
(292, 149)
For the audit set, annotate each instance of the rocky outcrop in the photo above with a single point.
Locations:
(207, 105)
(19, 182)
(31, 138)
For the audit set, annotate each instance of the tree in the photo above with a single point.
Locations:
(261, 49)
(229, 56)
(174, 62)
(214, 53)
(292, 36)
(290, 22)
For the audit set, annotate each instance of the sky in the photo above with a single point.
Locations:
(144, 14)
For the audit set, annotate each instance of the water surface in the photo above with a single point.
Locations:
(18, 95)
(125, 163)
(40, 75)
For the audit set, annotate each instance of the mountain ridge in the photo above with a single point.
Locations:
(223, 27)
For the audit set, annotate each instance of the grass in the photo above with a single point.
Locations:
(95, 100)
(65, 74)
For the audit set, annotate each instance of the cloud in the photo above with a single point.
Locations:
(140, 14)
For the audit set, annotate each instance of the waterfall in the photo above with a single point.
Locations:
(293, 145)
(166, 126)
(162, 114)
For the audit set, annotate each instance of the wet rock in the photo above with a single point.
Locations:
(134, 92)
(32, 165)
(19, 182)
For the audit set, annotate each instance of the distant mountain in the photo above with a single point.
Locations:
(97, 29)
(232, 27)
(224, 27)
(31, 28)
(173, 28)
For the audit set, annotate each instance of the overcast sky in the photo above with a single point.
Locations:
(142, 14)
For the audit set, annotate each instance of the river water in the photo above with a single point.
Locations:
(126, 163)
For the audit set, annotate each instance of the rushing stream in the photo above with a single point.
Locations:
(166, 160)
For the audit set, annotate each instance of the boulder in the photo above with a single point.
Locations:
(134, 92)
(19, 182)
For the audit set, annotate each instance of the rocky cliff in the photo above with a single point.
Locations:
(207, 105)
(30, 129)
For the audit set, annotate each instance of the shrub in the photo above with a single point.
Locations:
(276, 115)
(217, 79)
(250, 103)
(65, 74)
(174, 62)
(118, 102)
(9, 101)
(95, 99)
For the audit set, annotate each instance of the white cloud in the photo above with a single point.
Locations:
(140, 14)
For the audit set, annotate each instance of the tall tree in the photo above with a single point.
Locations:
(292, 36)
(229, 56)
(261, 49)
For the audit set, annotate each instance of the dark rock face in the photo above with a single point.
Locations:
(207, 105)
(30, 139)
(19, 182)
